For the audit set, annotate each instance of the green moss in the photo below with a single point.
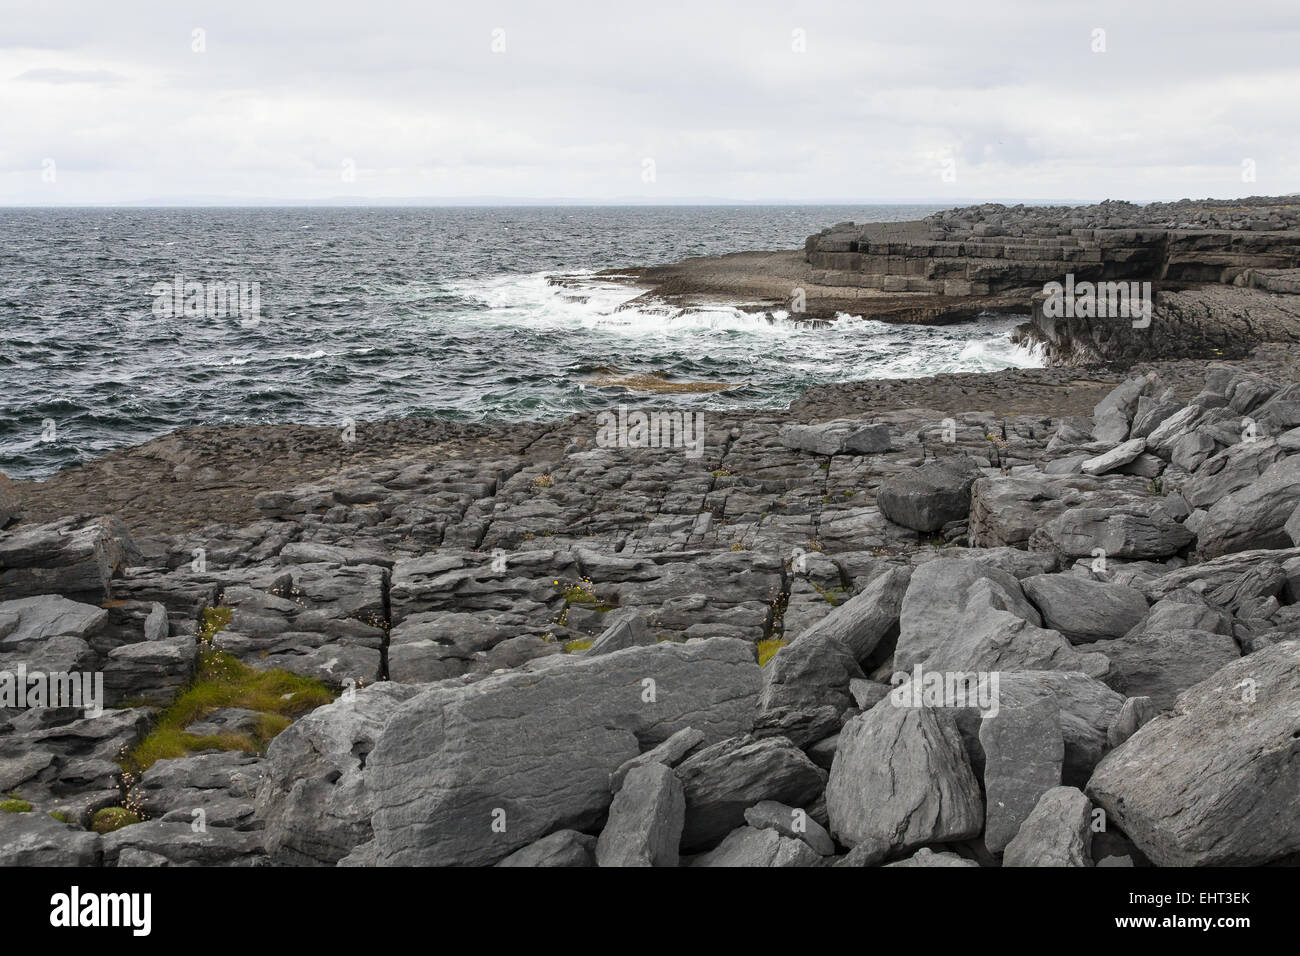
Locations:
(767, 649)
(15, 805)
(61, 816)
(578, 644)
(224, 681)
(112, 818)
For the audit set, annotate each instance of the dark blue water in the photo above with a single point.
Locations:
(382, 313)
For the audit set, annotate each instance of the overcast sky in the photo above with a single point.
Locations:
(108, 100)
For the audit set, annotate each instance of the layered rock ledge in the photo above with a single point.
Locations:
(1224, 274)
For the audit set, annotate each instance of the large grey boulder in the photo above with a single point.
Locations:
(36, 839)
(928, 497)
(804, 677)
(1119, 456)
(31, 620)
(901, 777)
(153, 672)
(868, 617)
(1085, 610)
(1087, 709)
(1254, 516)
(1292, 526)
(1113, 415)
(1230, 470)
(843, 436)
(964, 615)
(747, 846)
(457, 780)
(1023, 754)
(313, 796)
(723, 780)
(1161, 664)
(75, 557)
(1214, 783)
(1162, 439)
(645, 820)
(1057, 833)
(1133, 529)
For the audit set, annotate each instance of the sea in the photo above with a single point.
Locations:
(118, 325)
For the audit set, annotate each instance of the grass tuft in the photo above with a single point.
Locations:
(767, 649)
(223, 681)
(112, 818)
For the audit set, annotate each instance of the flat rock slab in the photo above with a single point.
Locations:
(645, 820)
(465, 775)
(1214, 783)
(1023, 754)
(843, 436)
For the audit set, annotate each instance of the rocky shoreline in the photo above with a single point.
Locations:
(1047, 617)
(1224, 275)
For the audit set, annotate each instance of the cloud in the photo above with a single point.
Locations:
(572, 96)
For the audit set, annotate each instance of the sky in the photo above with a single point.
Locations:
(961, 100)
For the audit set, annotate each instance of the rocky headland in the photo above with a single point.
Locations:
(1047, 617)
(1224, 274)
